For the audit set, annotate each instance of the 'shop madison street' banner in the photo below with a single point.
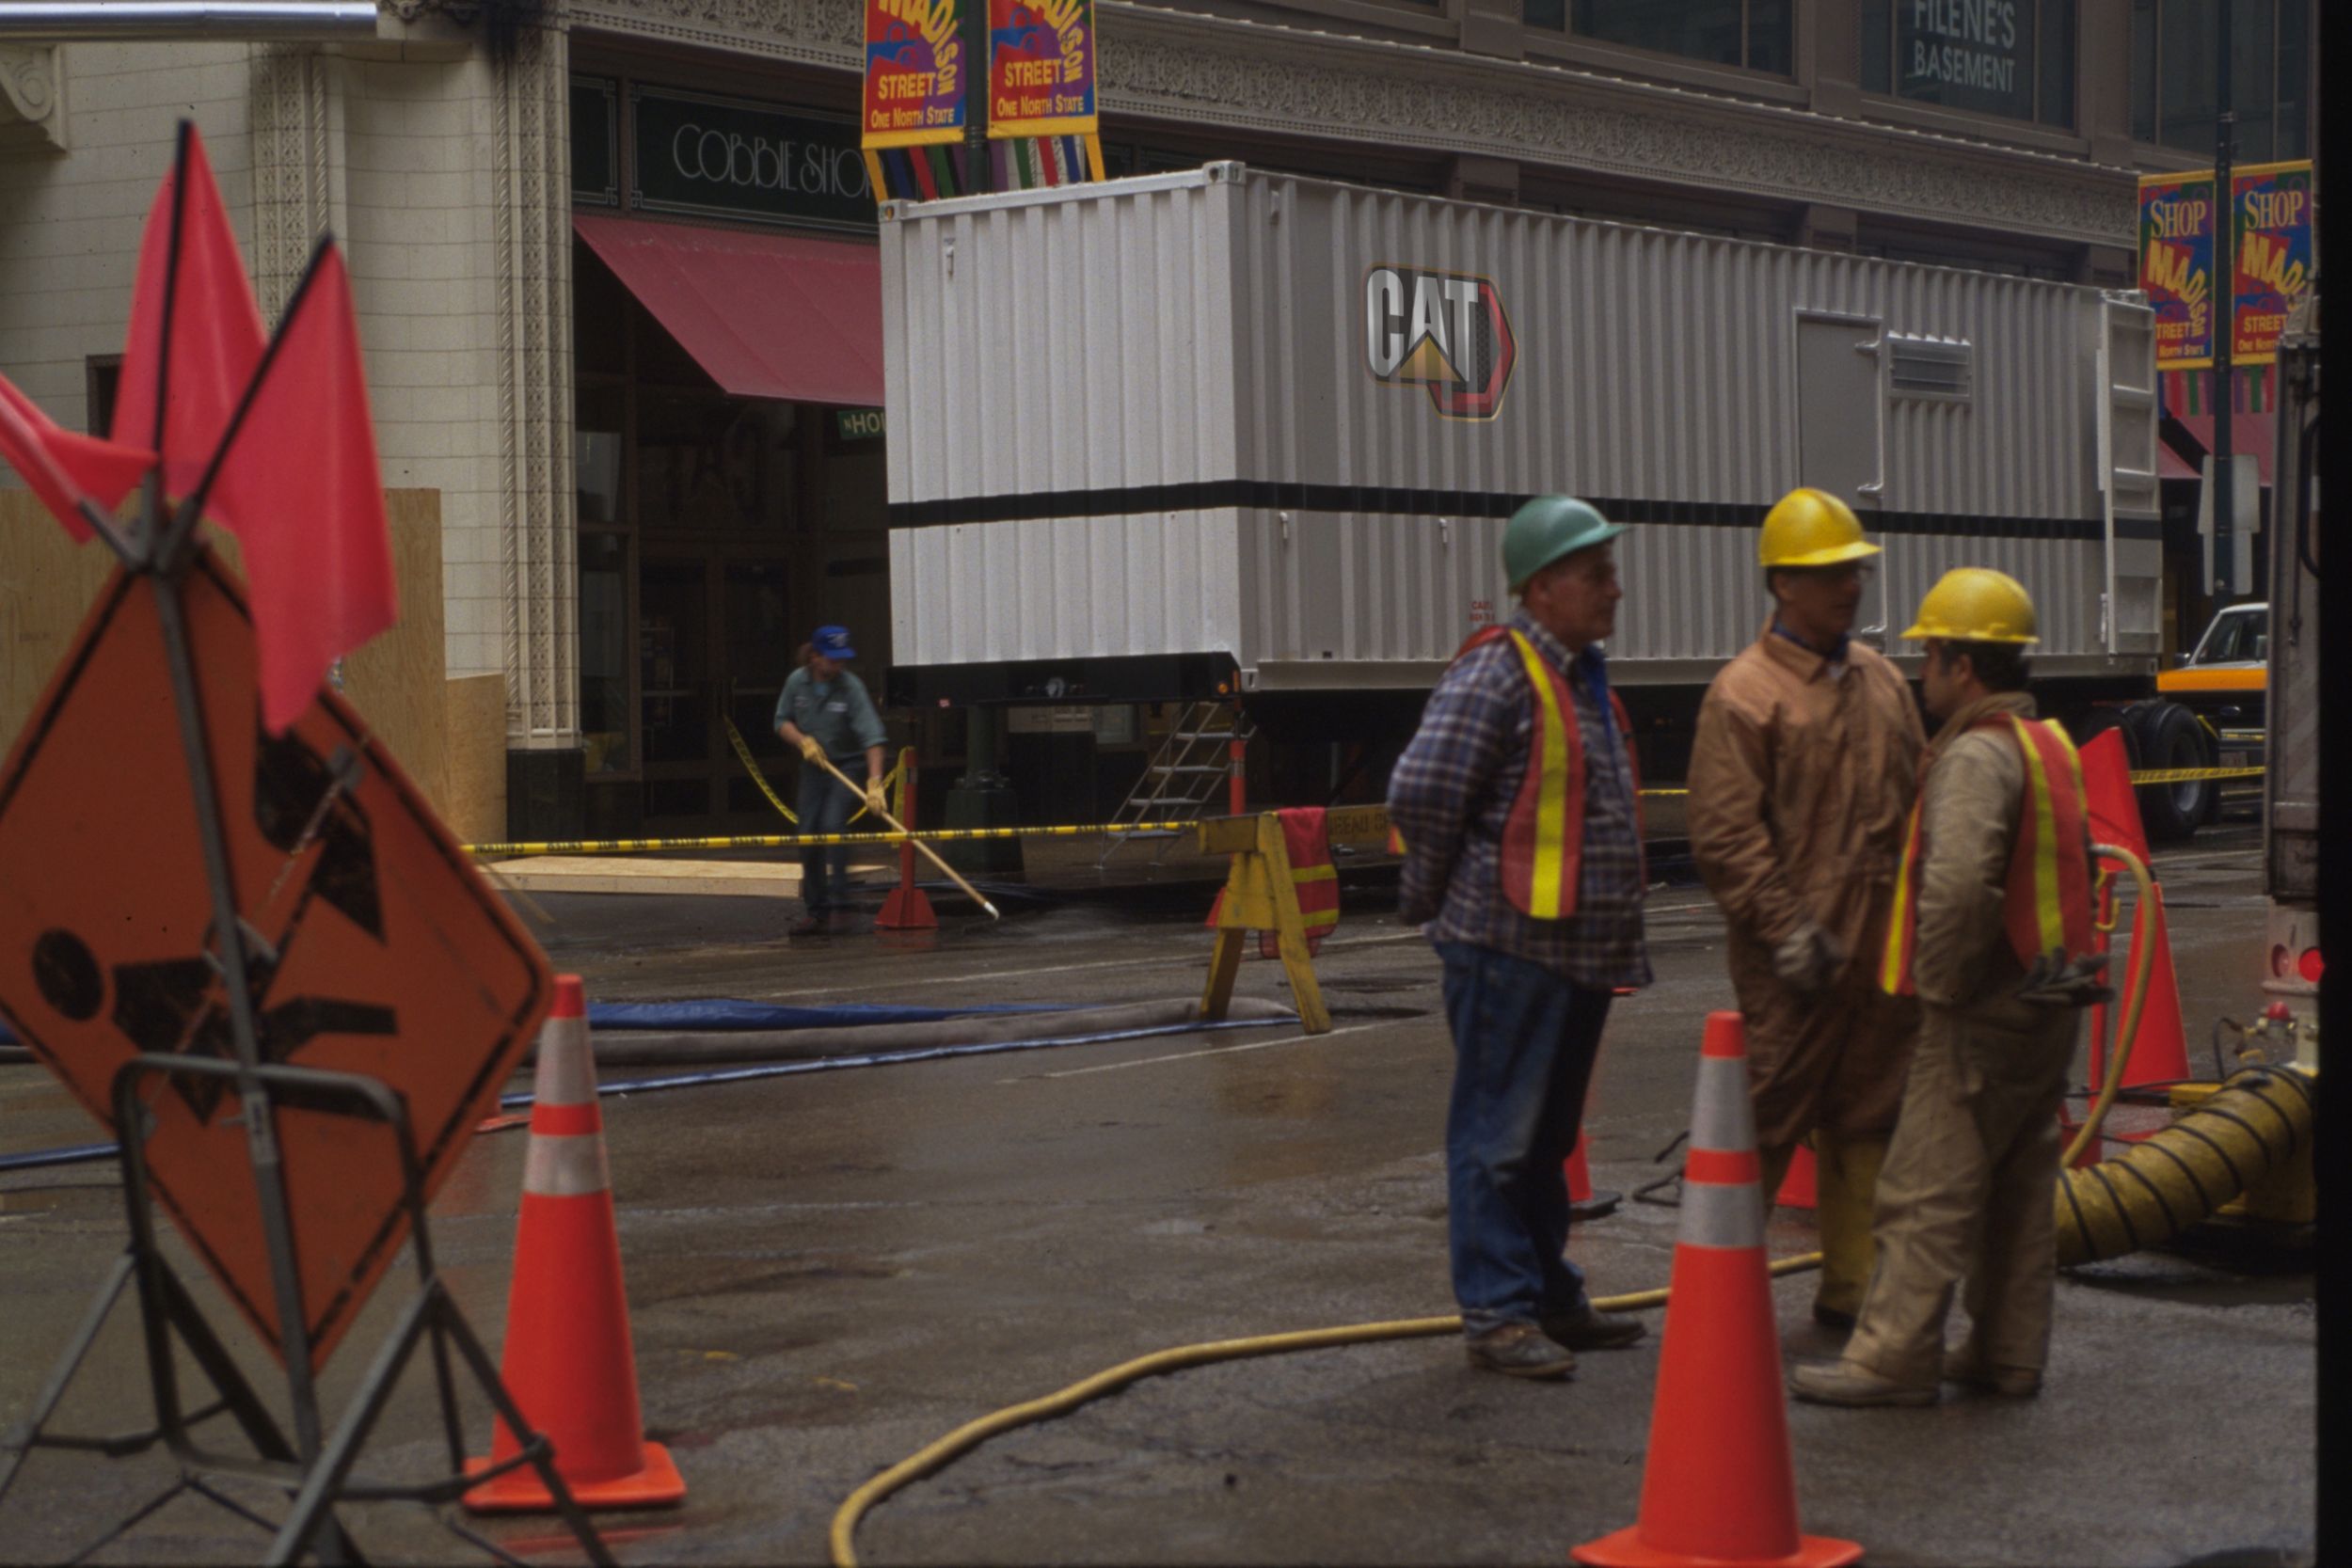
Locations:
(2179, 221)
(1040, 68)
(914, 73)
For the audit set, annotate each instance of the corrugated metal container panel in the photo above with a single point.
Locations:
(1222, 332)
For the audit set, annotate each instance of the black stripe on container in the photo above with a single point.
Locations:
(1266, 495)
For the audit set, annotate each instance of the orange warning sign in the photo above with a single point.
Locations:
(380, 948)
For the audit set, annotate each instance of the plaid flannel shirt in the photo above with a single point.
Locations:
(1451, 795)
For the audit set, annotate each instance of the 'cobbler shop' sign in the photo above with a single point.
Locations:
(702, 154)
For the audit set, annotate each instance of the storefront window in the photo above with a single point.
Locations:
(604, 637)
(1750, 32)
(2174, 51)
(2014, 59)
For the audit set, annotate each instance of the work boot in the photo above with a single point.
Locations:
(1848, 1383)
(1590, 1329)
(1964, 1367)
(808, 926)
(1518, 1350)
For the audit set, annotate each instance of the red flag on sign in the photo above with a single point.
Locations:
(301, 482)
(62, 467)
(215, 331)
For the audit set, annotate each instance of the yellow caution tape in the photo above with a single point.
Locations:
(803, 841)
(757, 777)
(2192, 775)
(752, 767)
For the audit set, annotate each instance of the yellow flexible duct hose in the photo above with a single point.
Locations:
(2173, 1179)
(2168, 1182)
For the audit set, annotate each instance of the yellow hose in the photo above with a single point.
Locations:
(973, 1433)
(2164, 1183)
(2171, 1180)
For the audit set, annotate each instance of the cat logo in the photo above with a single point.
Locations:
(1442, 330)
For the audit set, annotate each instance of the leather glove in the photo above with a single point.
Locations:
(811, 750)
(1809, 958)
(2052, 984)
(876, 801)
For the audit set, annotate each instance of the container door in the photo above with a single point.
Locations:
(2126, 469)
(1838, 405)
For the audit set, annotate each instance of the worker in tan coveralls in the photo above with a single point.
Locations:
(1800, 781)
(1992, 927)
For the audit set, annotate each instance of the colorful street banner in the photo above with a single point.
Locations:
(2176, 271)
(1040, 69)
(2273, 267)
(914, 73)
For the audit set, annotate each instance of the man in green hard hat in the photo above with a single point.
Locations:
(1516, 802)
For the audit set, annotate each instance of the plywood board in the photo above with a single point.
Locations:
(474, 795)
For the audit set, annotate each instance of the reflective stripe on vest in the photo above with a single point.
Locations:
(1543, 841)
(2046, 907)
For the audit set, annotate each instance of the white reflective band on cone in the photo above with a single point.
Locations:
(566, 1073)
(1722, 1119)
(1720, 1216)
(563, 1165)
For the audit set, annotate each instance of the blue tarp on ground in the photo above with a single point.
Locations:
(720, 1014)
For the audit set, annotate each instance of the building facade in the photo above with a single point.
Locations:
(614, 260)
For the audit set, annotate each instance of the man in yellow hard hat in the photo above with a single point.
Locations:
(1993, 930)
(1520, 808)
(1801, 779)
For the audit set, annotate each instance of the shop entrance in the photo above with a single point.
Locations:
(714, 647)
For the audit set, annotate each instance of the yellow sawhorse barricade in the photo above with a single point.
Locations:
(1261, 896)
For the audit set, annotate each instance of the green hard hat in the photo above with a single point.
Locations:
(1547, 528)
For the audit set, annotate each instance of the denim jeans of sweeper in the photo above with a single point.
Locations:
(825, 805)
(1524, 1040)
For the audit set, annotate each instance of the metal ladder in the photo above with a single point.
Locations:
(1190, 771)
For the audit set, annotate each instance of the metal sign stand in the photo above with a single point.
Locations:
(314, 1468)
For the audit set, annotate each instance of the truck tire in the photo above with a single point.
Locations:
(2170, 737)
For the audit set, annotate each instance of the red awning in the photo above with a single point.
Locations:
(768, 315)
(2171, 465)
(2248, 432)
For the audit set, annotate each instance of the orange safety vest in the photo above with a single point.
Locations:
(2047, 909)
(1543, 838)
(1307, 843)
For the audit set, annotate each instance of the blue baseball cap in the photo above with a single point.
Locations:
(833, 642)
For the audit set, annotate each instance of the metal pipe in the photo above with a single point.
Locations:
(112, 21)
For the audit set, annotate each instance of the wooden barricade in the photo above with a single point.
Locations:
(1260, 896)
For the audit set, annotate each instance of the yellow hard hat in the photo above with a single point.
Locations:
(1811, 527)
(1976, 604)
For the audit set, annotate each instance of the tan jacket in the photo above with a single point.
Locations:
(1801, 790)
(1972, 791)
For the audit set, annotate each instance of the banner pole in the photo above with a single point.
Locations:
(974, 21)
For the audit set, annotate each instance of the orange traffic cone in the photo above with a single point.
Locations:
(1584, 1203)
(567, 1360)
(1800, 1188)
(1720, 1491)
(2160, 1047)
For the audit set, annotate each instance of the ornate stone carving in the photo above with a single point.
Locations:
(294, 167)
(1177, 66)
(32, 90)
(538, 540)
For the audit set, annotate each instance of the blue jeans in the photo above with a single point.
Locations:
(825, 807)
(1524, 1040)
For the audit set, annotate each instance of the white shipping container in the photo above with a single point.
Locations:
(1281, 421)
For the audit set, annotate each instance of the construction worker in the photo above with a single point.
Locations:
(1800, 781)
(1516, 802)
(825, 710)
(1993, 928)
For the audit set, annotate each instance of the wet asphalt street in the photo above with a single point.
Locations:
(828, 1271)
